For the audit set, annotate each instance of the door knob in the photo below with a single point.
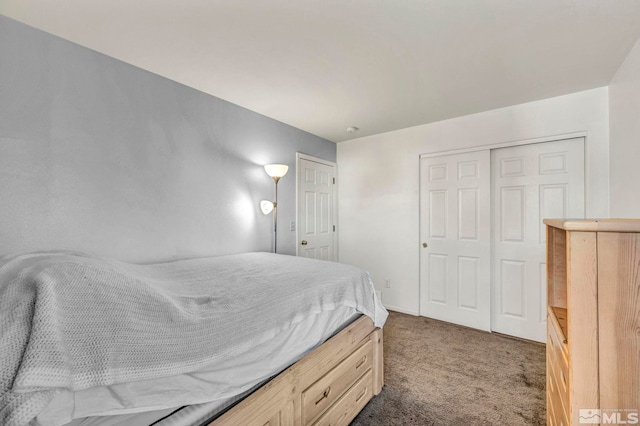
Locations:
(304, 242)
(425, 245)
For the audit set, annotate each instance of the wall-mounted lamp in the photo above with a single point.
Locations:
(276, 171)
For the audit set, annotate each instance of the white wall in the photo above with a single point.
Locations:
(624, 119)
(102, 157)
(379, 186)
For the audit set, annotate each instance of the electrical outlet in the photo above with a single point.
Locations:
(387, 283)
(292, 225)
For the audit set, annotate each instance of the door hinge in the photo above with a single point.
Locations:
(334, 181)
(334, 228)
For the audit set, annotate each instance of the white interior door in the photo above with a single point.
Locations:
(529, 183)
(455, 227)
(316, 230)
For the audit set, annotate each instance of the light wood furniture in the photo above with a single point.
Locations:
(593, 319)
(329, 386)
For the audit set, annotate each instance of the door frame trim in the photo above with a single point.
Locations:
(302, 156)
(552, 138)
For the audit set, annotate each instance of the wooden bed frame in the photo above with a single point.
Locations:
(329, 386)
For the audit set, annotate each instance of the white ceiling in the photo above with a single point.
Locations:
(380, 65)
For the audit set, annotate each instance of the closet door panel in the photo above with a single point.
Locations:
(455, 238)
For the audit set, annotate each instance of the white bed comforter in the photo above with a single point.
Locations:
(69, 321)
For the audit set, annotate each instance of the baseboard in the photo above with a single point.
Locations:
(401, 310)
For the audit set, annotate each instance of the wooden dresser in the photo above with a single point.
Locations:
(593, 321)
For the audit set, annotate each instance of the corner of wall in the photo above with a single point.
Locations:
(624, 137)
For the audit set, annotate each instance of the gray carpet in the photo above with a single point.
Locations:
(438, 373)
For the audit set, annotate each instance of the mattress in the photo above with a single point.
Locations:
(245, 373)
(86, 337)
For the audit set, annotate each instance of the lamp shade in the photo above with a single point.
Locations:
(276, 170)
(266, 206)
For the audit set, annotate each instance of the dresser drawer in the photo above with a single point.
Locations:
(556, 416)
(347, 407)
(323, 393)
(559, 340)
(557, 374)
(558, 362)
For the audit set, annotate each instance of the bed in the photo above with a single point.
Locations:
(252, 338)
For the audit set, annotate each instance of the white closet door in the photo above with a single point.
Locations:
(529, 183)
(455, 227)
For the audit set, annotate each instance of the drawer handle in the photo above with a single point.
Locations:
(364, 359)
(364, 392)
(325, 394)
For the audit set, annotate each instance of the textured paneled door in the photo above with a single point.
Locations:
(316, 222)
(455, 238)
(529, 183)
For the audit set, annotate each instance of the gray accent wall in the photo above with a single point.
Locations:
(102, 157)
